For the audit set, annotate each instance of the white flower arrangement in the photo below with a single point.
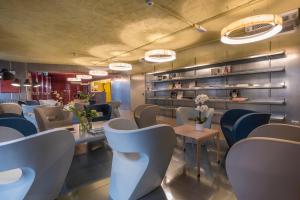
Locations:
(202, 108)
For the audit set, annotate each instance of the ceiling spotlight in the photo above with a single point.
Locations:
(160, 55)
(200, 28)
(120, 66)
(27, 83)
(84, 76)
(149, 2)
(73, 79)
(16, 83)
(98, 73)
(274, 20)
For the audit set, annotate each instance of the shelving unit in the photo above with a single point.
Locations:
(218, 86)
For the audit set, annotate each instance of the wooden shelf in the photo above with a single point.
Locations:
(224, 100)
(221, 88)
(274, 55)
(246, 72)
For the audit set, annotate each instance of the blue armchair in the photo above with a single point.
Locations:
(105, 109)
(237, 124)
(20, 124)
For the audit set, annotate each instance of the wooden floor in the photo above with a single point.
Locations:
(88, 178)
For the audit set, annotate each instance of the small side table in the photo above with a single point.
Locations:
(189, 131)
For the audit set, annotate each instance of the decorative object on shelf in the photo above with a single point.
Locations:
(16, 83)
(192, 84)
(84, 76)
(98, 73)
(234, 93)
(120, 66)
(160, 55)
(173, 94)
(84, 116)
(177, 85)
(239, 99)
(202, 109)
(270, 21)
(179, 95)
(172, 75)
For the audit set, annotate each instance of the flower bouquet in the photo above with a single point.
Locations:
(202, 109)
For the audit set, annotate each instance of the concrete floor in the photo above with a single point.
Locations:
(88, 178)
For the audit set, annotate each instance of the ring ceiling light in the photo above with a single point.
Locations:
(84, 76)
(98, 73)
(74, 79)
(274, 20)
(120, 66)
(160, 55)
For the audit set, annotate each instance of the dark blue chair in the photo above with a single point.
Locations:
(7, 115)
(105, 109)
(20, 124)
(237, 124)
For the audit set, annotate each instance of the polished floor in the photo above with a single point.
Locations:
(88, 178)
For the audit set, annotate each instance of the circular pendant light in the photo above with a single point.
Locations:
(98, 73)
(73, 79)
(84, 76)
(160, 55)
(120, 66)
(27, 83)
(16, 83)
(269, 19)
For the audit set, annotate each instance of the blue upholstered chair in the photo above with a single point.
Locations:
(237, 124)
(20, 124)
(105, 109)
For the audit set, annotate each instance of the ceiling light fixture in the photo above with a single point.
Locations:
(16, 83)
(84, 76)
(98, 73)
(120, 66)
(73, 79)
(27, 83)
(160, 55)
(274, 20)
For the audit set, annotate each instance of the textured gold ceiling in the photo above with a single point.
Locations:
(94, 32)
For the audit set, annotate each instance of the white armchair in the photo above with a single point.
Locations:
(141, 157)
(264, 167)
(145, 115)
(44, 159)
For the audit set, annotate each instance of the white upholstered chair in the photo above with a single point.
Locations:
(115, 106)
(44, 159)
(140, 157)
(266, 164)
(10, 108)
(145, 115)
(49, 117)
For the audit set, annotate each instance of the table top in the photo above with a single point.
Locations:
(88, 137)
(188, 130)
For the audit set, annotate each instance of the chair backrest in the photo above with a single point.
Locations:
(115, 105)
(41, 178)
(49, 117)
(20, 124)
(153, 146)
(145, 115)
(279, 131)
(231, 116)
(7, 134)
(264, 168)
(48, 102)
(12, 108)
(185, 115)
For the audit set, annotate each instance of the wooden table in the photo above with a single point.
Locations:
(189, 131)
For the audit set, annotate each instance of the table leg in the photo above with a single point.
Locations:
(198, 158)
(183, 143)
(218, 147)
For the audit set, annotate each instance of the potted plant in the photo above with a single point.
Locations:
(84, 116)
(202, 108)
